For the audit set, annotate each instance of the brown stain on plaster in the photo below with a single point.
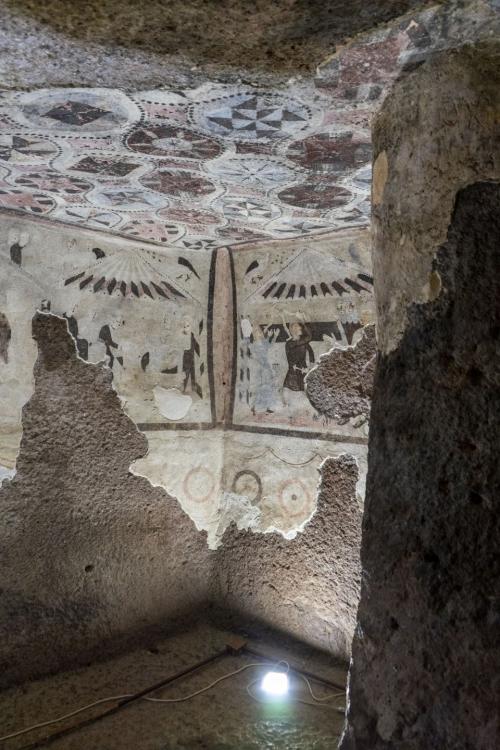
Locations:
(380, 175)
(434, 286)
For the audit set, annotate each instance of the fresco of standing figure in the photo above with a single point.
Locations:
(266, 396)
(190, 350)
(298, 351)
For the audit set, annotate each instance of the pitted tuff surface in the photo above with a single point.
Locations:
(64, 42)
(309, 585)
(436, 133)
(340, 387)
(89, 552)
(426, 654)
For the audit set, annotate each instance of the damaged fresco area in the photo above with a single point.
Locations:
(340, 387)
(295, 302)
(230, 288)
(209, 353)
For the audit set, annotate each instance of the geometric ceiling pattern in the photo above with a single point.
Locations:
(212, 166)
(199, 168)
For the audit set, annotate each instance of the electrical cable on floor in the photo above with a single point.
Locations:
(318, 702)
(234, 646)
(259, 655)
(129, 695)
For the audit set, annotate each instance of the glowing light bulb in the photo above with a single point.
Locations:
(275, 683)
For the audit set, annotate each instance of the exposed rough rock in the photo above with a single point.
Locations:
(92, 556)
(307, 586)
(89, 553)
(425, 670)
(340, 387)
(425, 660)
(439, 132)
(88, 42)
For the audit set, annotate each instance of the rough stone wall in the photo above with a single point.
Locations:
(453, 100)
(307, 586)
(90, 554)
(340, 387)
(425, 662)
(89, 42)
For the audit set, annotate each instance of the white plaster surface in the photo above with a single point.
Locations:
(146, 312)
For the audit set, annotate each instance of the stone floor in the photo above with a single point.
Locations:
(225, 718)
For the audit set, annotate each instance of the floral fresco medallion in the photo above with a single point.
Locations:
(178, 183)
(249, 211)
(20, 149)
(167, 140)
(31, 202)
(320, 195)
(331, 153)
(99, 165)
(251, 116)
(53, 181)
(125, 198)
(94, 111)
(254, 172)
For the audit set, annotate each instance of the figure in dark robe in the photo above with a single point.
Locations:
(191, 350)
(298, 350)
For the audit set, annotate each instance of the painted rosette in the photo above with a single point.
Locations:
(251, 116)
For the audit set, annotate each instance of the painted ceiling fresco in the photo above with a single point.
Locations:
(233, 252)
(207, 167)
(198, 168)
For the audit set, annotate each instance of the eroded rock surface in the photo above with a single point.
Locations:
(425, 670)
(93, 38)
(307, 586)
(340, 387)
(89, 552)
(435, 134)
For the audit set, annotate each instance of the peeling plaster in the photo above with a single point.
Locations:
(159, 350)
